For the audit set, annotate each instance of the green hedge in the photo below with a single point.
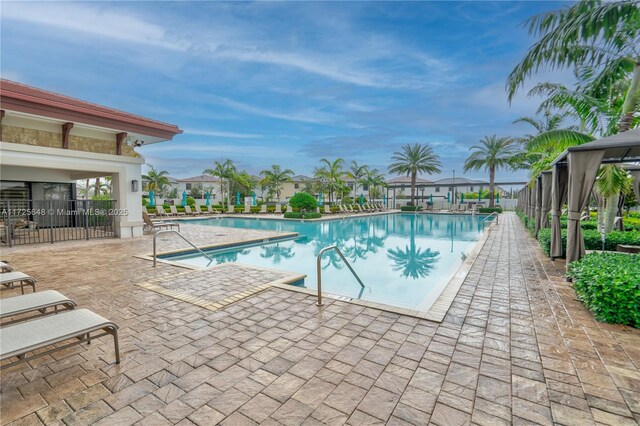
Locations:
(592, 240)
(299, 215)
(609, 285)
(490, 210)
(410, 208)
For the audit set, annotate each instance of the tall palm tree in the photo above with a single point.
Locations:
(224, 171)
(491, 154)
(330, 174)
(274, 178)
(158, 180)
(602, 38)
(414, 159)
(374, 180)
(356, 172)
(611, 181)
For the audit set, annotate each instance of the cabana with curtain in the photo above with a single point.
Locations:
(581, 164)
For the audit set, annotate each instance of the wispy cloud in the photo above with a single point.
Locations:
(221, 134)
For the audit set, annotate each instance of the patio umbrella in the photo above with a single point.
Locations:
(431, 199)
(184, 198)
(462, 197)
(320, 199)
(207, 195)
(238, 198)
(361, 199)
(384, 199)
(254, 202)
(448, 197)
(152, 198)
(498, 197)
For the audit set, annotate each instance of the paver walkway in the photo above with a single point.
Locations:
(515, 347)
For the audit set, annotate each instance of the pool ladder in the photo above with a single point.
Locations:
(494, 214)
(319, 270)
(166, 231)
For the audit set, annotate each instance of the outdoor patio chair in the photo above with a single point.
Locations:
(278, 209)
(231, 209)
(198, 209)
(175, 212)
(10, 279)
(188, 211)
(162, 212)
(211, 210)
(247, 209)
(327, 209)
(34, 302)
(75, 326)
(263, 209)
(148, 212)
(5, 267)
(462, 208)
(156, 225)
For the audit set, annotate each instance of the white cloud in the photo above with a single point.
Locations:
(221, 134)
(93, 21)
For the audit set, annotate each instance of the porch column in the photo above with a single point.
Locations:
(128, 219)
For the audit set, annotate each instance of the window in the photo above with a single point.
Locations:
(471, 189)
(365, 187)
(437, 189)
(296, 185)
(188, 186)
(451, 189)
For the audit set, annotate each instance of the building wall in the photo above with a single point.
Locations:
(39, 133)
(22, 160)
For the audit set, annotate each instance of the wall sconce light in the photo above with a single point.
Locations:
(134, 185)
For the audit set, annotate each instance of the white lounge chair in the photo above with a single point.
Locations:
(175, 212)
(162, 212)
(33, 302)
(9, 279)
(247, 209)
(231, 209)
(5, 267)
(263, 209)
(278, 209)
(327, 209)
(199, 209)
(77, 325)
(188, 211)
(211, 210)
(146, 210)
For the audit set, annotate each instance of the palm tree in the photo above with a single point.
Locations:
(493, 153)
(600, 38)
(414, 159)
(330, 174)
(224, 171)
(356, 172)
(274, 178)
(158, 180)
(374, 180)
(100, 187)
(611, 181)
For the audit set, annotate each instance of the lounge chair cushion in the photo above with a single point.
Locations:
(32, 302)
(15, 276)
(31, 335)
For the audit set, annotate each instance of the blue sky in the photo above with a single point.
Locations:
(285, 83)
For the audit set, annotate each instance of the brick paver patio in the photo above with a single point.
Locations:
(515, 347)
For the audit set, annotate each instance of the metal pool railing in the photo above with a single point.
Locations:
(494, 214)
(166, 231)
(319, 270)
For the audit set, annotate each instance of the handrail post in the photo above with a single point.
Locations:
(319, 270)
(319, 275)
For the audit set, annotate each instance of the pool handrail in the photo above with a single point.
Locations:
(155, 235)
(319, 270)
(494, 214)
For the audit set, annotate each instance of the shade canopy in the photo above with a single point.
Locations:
(620, 148)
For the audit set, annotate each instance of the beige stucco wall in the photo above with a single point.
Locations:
(48, 139)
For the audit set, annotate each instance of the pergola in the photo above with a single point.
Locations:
(570, 181)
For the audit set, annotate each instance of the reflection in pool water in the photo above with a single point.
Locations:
(403, 259)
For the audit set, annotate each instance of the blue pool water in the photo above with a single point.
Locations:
(404, 260)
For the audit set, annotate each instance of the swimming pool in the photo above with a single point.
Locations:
(404, 260)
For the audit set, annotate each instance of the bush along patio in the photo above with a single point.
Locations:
(609, 285)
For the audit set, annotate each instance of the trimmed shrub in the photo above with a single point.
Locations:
(299, 215)
(347, 200)
(410, 208)
(592, 240)
(303, 201)
(490, 209)
(609, 285)
(191, 201)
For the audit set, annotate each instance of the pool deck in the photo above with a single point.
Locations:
(514, 348)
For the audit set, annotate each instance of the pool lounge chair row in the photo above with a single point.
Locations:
(357, 208)
(36, 329)
(173, 211)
